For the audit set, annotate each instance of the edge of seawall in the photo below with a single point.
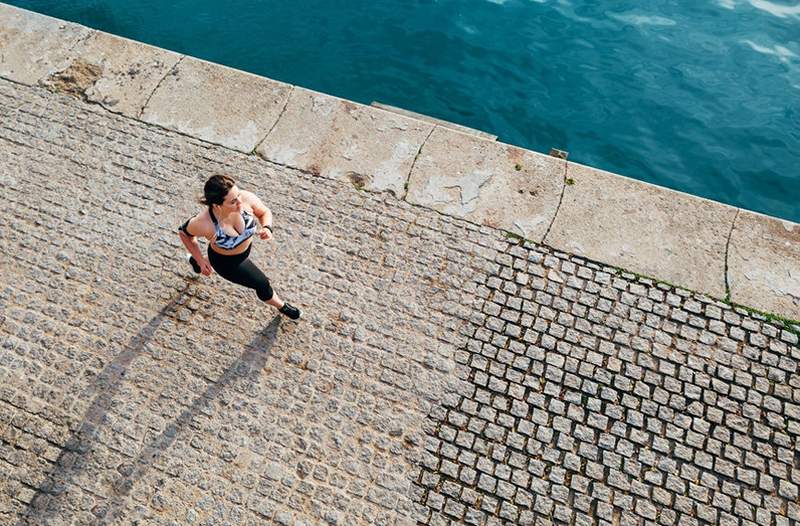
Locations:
(725, 252)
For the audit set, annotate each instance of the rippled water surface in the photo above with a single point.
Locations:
(700, 96)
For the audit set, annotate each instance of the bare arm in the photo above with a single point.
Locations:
(261, 212)
(190, 242)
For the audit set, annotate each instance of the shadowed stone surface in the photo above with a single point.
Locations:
(217, 104)
(487, 182)
(651, 230)
(372, 148)
(33, 45)
(764, 255)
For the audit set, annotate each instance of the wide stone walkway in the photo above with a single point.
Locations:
(443, 373)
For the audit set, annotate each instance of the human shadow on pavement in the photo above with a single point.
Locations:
(71, 460)
(249, 364)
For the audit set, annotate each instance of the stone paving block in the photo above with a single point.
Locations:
(127, 72)
(33, 45)
(486, 182)
(644, 228)
(217, 104)
(764, 264)
(267, 425)
(432, 120)
(658, 460)
(372, 148)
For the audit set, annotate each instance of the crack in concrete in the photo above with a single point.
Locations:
(727, 251)
(474, 193)
(274, 124)
(558, 207)
(141, 112)
(414, 163)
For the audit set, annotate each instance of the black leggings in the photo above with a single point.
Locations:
(241, 271)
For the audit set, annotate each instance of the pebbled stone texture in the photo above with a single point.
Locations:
(442, 374)
(130, 392)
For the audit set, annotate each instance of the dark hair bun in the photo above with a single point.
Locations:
(215, 189)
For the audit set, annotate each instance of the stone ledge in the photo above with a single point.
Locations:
(217, 104)
(764, 256)
(433, 120)
(645, 228)
(32, 45)
(339, 139)
(487, 182)
(129, 71)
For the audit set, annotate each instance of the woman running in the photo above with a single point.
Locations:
(230, 220)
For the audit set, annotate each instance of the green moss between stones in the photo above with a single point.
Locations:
(788, 324)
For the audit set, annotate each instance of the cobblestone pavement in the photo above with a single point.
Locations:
(443, 374)
(593, 397)
(131, 393)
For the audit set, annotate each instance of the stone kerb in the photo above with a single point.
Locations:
(113, 71)
(339, 139)
(487, 182)
(218, 104)
(33, 45)
(764, 264)
(645, 228)
(128, 71)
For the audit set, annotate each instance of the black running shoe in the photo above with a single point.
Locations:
(193, 263)
(290, 311)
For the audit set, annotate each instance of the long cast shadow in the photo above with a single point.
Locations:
(71, 461)
(248, 365)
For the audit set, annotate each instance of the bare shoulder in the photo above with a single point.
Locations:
(249, 197)
(201, 225)
(253, 201)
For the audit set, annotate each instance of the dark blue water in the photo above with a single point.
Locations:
(700, 96)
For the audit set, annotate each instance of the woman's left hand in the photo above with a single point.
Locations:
(265, 233)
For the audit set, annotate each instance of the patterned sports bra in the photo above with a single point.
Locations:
(229, 242)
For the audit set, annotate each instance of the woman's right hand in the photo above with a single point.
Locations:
(205, 267)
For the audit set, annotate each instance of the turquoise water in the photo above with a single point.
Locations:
(702, 96)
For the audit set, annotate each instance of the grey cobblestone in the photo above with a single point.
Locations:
(661, 414)
(444, 374)
(130, 392)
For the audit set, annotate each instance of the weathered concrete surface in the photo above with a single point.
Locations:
(372, 148)
(33, 45)
(128, 71)
(442, 374)
(764, 264)
(647, 229)
(433, 120)
(217, 104)
(486, 182)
